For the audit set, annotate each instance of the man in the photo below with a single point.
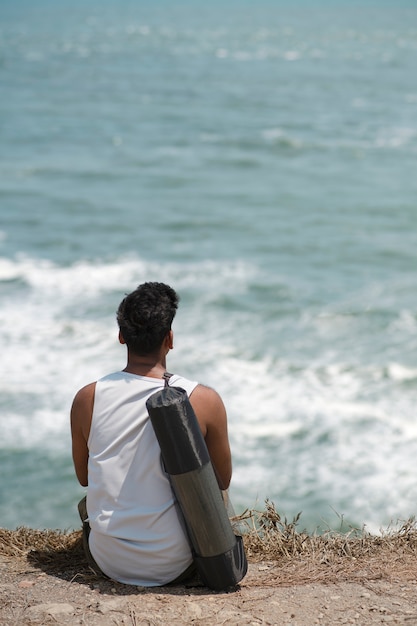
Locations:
(137, 536)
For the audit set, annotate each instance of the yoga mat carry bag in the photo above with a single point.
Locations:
(218, 553)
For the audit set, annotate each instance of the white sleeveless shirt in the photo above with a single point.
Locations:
(137, 536)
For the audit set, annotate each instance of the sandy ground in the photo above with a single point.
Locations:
(33, 593)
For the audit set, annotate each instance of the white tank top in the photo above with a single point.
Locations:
(137, 536)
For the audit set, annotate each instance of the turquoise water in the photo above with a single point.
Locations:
(261, 158)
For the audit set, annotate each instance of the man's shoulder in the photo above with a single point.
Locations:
(207, 395)
(85, 394)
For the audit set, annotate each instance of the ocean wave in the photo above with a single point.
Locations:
(305, 141)
(40, 430)
(64, 329)
(94, 277)
(338, 434)
(304, 431)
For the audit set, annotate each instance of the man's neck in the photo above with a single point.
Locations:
(152, 366)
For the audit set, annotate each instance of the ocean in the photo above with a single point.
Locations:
(260, 157)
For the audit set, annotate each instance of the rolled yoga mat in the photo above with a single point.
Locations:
(218, 553)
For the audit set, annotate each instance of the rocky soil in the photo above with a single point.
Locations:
(31, 594)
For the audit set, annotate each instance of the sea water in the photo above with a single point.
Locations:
(260, 157)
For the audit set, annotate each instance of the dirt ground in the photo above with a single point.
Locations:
(33, 591)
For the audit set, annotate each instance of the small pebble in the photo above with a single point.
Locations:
(25, 584)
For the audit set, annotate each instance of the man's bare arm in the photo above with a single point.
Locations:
(81, 413)
(211, 415)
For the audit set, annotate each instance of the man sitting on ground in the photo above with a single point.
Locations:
(137, 535)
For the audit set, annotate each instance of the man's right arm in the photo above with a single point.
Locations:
(211, 415)
(81, 414)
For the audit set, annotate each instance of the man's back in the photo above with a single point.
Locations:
(136, 534)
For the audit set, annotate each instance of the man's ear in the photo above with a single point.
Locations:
(121, 339)
(170, 338)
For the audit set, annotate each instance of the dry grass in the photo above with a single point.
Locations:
(288, 556)
(19, 542)
(53, 551)
(299, 557)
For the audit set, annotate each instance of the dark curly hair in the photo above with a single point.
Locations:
(145, 317)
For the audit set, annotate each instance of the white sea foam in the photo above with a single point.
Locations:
(281, 137)
(325, 430)
(37, 430)
(59, 332)
(400, 373)
(292, 55)
(9, 270)
(395, 137)
(327, 440)
(92, 278)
